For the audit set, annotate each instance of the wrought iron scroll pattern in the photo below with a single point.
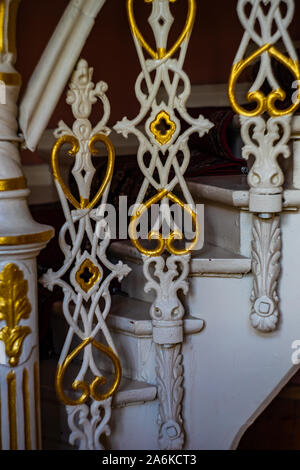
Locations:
(271, 30)
(162, 71)
(84, 239)
(162, 89)
(265, 130)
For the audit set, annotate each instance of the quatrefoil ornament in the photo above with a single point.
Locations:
(163, 120)
(162, 126)
(86, 276)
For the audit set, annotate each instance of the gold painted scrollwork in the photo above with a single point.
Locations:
(14, 307)
(88, 390)
(68, 139)
(162, 244)
(162, 53)
(263, 103)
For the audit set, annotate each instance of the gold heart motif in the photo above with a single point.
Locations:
(84, 203)
(88, 390)
(263, 103)
(162, 53)
(162, 244)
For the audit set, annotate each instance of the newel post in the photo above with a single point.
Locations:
(21, 239)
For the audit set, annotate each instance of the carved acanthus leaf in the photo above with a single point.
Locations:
(169, 372)
(266, 249)
(14, 307)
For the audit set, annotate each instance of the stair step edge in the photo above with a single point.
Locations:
(233, 191)
(143, 328)
(131, 316)
(210, 260)
(230, 190)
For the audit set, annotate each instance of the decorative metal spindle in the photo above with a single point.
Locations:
(266, 130)
(164, 68)
(87, 285)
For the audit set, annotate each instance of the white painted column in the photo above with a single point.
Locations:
(19, 351)
(21, 239)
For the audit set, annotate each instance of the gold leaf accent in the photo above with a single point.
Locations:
(94, 272)
(161, 138)
(12, 26)
(14, 307)
(11, 381)
(8, 22)
(162, 53)
(28, 238)
(13, 184)
(37, 400)
(68, 139)
(163, 244)
(26, 409)
(88, 390)
(263, 103)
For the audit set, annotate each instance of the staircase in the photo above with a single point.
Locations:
(231, 371)
(196, 371)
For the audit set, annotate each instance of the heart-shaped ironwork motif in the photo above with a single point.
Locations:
(263, 103)
(162, 54)
(83, 204)
(162, 243)
(88, 390)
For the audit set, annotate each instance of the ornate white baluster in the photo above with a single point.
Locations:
(167, 315)
(21, 239)
(87, 286)
(162, 141)
(265, 138)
